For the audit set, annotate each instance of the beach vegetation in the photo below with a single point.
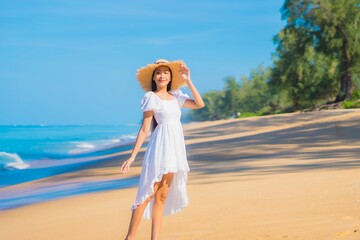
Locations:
(316, 63)
(213, 110)
(318, 51)
(351, 104)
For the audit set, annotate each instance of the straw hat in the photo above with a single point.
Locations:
(144, 74)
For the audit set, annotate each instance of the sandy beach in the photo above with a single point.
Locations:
(288, 176)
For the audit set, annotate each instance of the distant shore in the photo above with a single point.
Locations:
(286, 176)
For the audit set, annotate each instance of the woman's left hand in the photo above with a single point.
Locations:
(184, 72)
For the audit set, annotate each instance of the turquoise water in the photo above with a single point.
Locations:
(33, 152)
(43, 147)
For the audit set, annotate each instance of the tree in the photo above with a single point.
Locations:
(213, 110)
(306, 75)
(331, 28)
(251, 96)
(232, 97)
(254, 92)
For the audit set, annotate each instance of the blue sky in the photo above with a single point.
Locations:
(75, 62)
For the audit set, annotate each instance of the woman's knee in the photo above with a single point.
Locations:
(161, 196)
(163, 189)
(156, 187)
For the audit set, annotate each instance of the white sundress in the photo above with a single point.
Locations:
(165, 153)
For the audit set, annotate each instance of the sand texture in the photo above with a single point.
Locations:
(288, 176)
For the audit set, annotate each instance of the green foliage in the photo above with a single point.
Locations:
(356, 95)
(213, 110)
(307, 78)
(351, 104)
(231, 97)
(319, 36)
(245, 115)
(317, 60)
(254, 92)
(250, 97)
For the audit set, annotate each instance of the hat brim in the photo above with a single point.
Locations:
(144, 75)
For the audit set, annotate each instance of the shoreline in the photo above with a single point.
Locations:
(291, 176)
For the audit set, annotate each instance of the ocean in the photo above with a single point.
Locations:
(26, 147)
(32, 152)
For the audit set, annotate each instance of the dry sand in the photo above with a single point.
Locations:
(289, 176)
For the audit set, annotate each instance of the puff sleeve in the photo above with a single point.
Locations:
(180, 96)
(149, 102)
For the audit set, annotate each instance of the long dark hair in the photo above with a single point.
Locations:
(154, 88)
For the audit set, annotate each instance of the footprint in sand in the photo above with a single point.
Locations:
(348, 232)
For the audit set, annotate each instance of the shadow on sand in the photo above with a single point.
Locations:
(329, 145)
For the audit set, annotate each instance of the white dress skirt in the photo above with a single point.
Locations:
(165, 153)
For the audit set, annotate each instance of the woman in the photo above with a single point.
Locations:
(162, 185)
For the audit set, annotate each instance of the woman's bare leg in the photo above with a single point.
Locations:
(137, 214)
(159, 204)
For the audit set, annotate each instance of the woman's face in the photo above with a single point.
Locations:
(162, 76)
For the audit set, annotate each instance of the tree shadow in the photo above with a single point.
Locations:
(329, 145)
(250, 124)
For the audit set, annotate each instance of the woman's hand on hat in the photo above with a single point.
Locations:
(126, 165)
(184, 72)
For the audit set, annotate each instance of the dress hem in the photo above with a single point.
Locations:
(148, 194)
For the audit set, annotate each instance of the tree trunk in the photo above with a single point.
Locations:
(346, 84)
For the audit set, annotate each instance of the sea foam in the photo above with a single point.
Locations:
(11, 161)
(87, 147)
